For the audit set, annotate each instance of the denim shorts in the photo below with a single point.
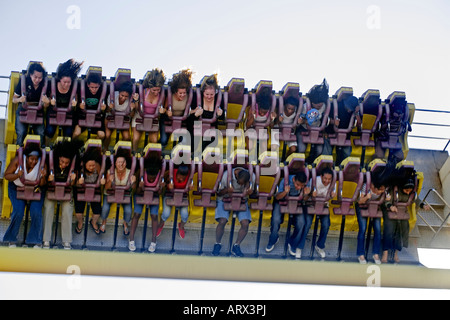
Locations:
(139, 208)
(222, 213)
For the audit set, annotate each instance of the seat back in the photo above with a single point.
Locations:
(318, 205)
(121, 194)
(206, 123)
(293, 164)
(267, 177)
(404, 170)
(61, 115)
(149, 122)
(150, 194)
(372, 208)
(120, 120)
(263, 87)
(314, 135)
(60, 191)
(287, 131)
(350, 181)
(239, 159)
(30, 191)
(371, 110)
(32, 114)
(175, 122)
(235, 98)
(91, 192)
(178, 197)
(341, 136)
(92, 117)
(209, 176)
(395, 122)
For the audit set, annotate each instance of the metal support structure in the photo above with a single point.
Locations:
(434, 211)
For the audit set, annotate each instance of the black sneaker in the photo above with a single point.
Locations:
(216, 250)
(236, 250)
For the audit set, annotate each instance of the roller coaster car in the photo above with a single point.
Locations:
(209, 175)
(92, 117)
(32, 114)
(319, 205)
(263, 88)
(287, 131)
(395, 121)
(120, 120)
(235, 101)
(372, 208)
(62, 115)
(314, 135)
(30, 190)
(350, 181)
(294, 163)
(150, 195)
(91, 192)
(371, 110)
(178, 197)
(149, 122)
(175, 122)
(59, 191)
(206, 122)
(405, 169)
(267, 177)
(121, 194)
(341, 136)
(237, 200)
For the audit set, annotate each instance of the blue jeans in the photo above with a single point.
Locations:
(139, 208)
(362, 222)
(164, 137)
(324, 227)
(127, 208)
(277, 220)
(22, 128)
(35, 233)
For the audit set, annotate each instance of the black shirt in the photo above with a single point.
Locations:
(33, 95)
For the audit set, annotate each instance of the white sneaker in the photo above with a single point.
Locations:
(46, 245)
(377, 260)
(12, 245)
(298, 253)
(37, 246)
(292, 253)
(131, 246)
(152, 247)
(362, 260)
(67, 246)
(321, 252)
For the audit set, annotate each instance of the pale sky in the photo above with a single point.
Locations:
(369, 44)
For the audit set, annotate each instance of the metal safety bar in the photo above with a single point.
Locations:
(434, 211)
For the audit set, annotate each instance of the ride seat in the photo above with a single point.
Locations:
(350, 181)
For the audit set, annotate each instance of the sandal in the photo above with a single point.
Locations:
(126, 232)
(78, 230)
(96, 230)
(102, 228)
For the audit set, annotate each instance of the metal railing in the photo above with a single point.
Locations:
(443, 220)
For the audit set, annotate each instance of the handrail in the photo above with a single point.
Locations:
(434, 211)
